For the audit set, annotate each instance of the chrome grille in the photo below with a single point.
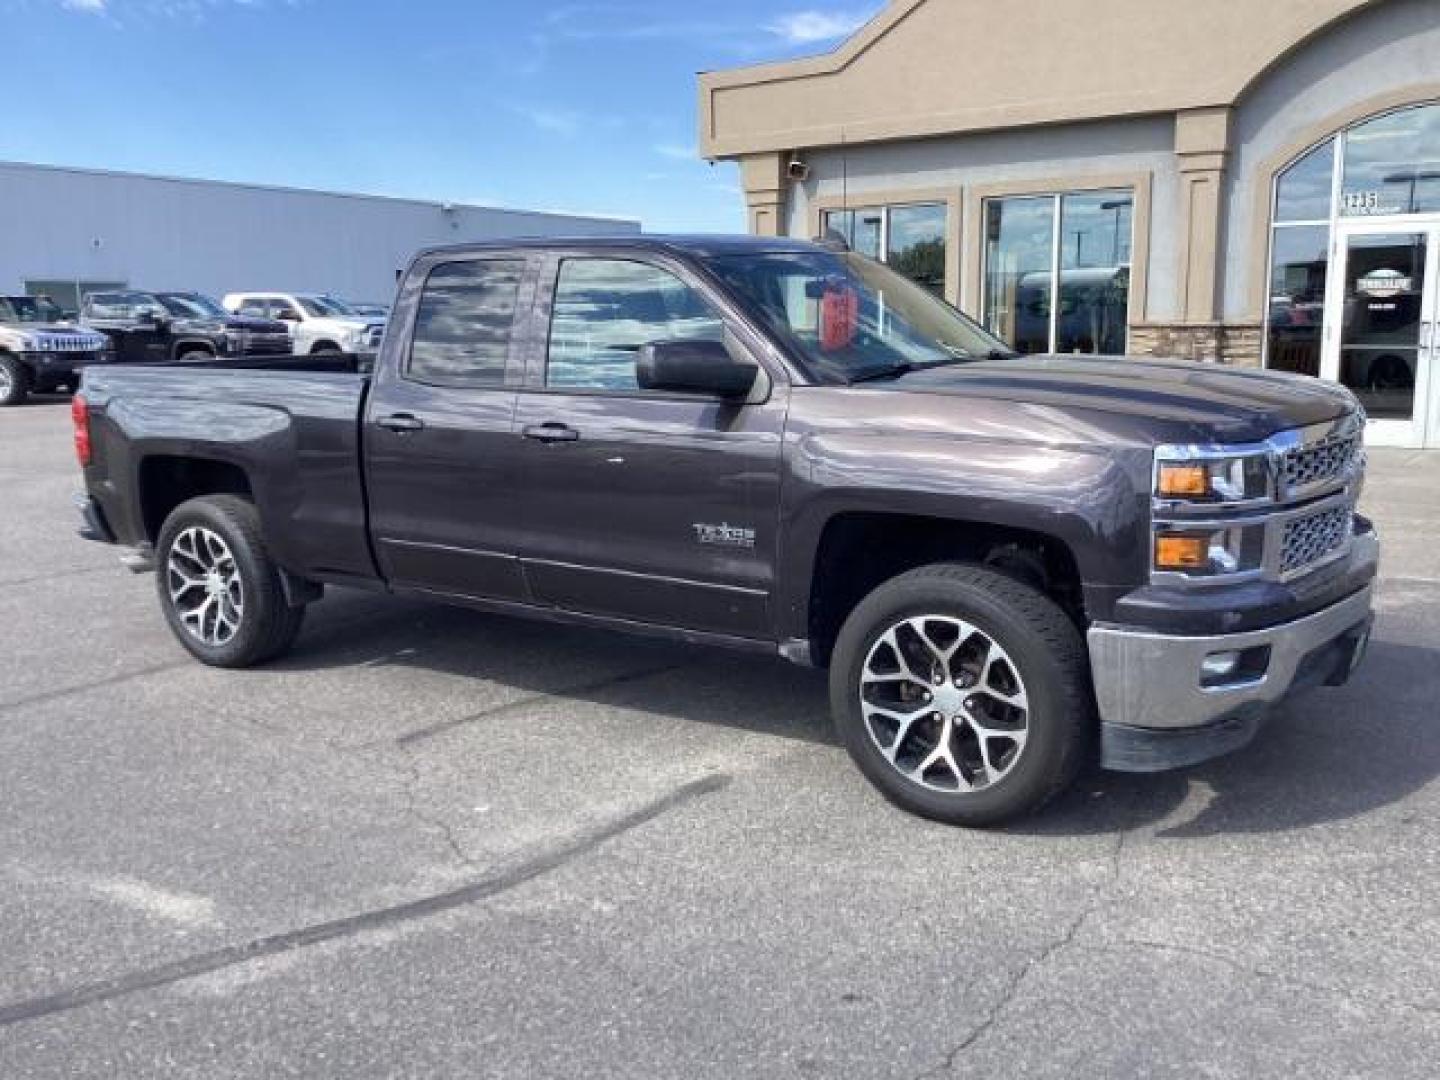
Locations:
(71, 343)
(1320, 461)
(1309, 539)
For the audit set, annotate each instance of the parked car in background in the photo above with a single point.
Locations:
(318, 323)
(1008, 564)
(40, 350)
(370, 311)
(183, 327)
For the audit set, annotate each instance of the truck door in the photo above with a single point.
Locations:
(442, 462)
(648, 506)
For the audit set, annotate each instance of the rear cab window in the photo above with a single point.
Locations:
(464, 323)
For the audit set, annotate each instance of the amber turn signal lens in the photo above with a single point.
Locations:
(1182, 552)
(1184, 481)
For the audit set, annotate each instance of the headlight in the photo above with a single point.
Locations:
(1206, 551)
(1186, 476)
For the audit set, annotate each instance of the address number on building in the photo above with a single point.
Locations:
(1361, 202)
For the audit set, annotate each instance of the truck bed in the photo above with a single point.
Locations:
(290, 425)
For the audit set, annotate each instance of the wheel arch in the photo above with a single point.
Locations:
(858, 550)
(164, 481)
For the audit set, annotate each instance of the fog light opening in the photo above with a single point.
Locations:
(1232, 667)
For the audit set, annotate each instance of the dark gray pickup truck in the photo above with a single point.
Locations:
(1008, 564)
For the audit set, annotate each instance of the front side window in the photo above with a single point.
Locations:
(463, 325)
(191, 306)
(909, 237)
(850, 318)
(606, 310)
(1083, 240)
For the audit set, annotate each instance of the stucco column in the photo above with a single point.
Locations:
(1202, 147)
(763, 176)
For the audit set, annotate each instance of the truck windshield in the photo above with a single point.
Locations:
(852, 318)
(29, 309)
(191, 306)
(325, 307)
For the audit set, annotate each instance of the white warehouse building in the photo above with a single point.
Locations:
(68, 231)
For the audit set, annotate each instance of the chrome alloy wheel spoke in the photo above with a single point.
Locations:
(944, 703)
(205, 586)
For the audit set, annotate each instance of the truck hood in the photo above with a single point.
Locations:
(1192, 402)
(256, 325)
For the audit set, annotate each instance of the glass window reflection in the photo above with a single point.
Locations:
(916, 245)
(1392, 164)
(462, 328)
(1303, 190)
(1299, 264)
(1019, 244)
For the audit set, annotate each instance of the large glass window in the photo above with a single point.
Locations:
(1299, 261)
(1388, 166)
(462, 329)
(1084, 239)
(909, 237)
(606, 309)
(1392, 164)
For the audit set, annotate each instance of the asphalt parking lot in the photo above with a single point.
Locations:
(435, 843)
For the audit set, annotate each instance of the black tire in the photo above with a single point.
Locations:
(15, 383)
(325, 348)
(268, 625)
(1049, 658)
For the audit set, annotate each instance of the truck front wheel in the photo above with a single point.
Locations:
(962, 694)
(14, 381)
(220, 590)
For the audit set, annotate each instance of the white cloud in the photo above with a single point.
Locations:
(809, 27)
(92, 6)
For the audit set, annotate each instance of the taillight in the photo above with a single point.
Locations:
(80, 414)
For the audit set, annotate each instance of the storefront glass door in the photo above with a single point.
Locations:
(1381, 338)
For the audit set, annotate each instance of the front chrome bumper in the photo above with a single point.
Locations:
(1155, 711)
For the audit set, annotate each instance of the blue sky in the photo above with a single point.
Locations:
(550, 105)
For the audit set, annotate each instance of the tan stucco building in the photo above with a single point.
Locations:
(1251, 182)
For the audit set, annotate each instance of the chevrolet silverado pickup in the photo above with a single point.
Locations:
(1009, 565)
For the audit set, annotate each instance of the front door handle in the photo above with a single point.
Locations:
(401, 423)
(551, 432)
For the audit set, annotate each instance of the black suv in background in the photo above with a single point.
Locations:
(162, 327)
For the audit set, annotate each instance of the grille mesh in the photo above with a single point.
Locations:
(1319, 461)
(1310, 539)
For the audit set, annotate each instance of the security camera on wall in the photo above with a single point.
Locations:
(798, 171)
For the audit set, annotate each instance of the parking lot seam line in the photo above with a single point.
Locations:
(109, 680)
(432, 730)
(57, 575)
(320, 933)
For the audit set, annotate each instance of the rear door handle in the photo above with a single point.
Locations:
(551, 432)
(401, 423)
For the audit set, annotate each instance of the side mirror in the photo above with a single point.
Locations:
(287, 315)
(694, 367)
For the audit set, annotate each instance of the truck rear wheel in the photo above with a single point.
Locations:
(962, 694)
(220, 590)
(14, 381)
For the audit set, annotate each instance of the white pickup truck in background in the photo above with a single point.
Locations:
(318, 323)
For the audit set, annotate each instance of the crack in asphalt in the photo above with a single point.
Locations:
(111, 680)
(319, 933)
(432, 730)
(1012, 988)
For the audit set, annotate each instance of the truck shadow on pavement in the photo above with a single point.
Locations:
(1330, 755)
